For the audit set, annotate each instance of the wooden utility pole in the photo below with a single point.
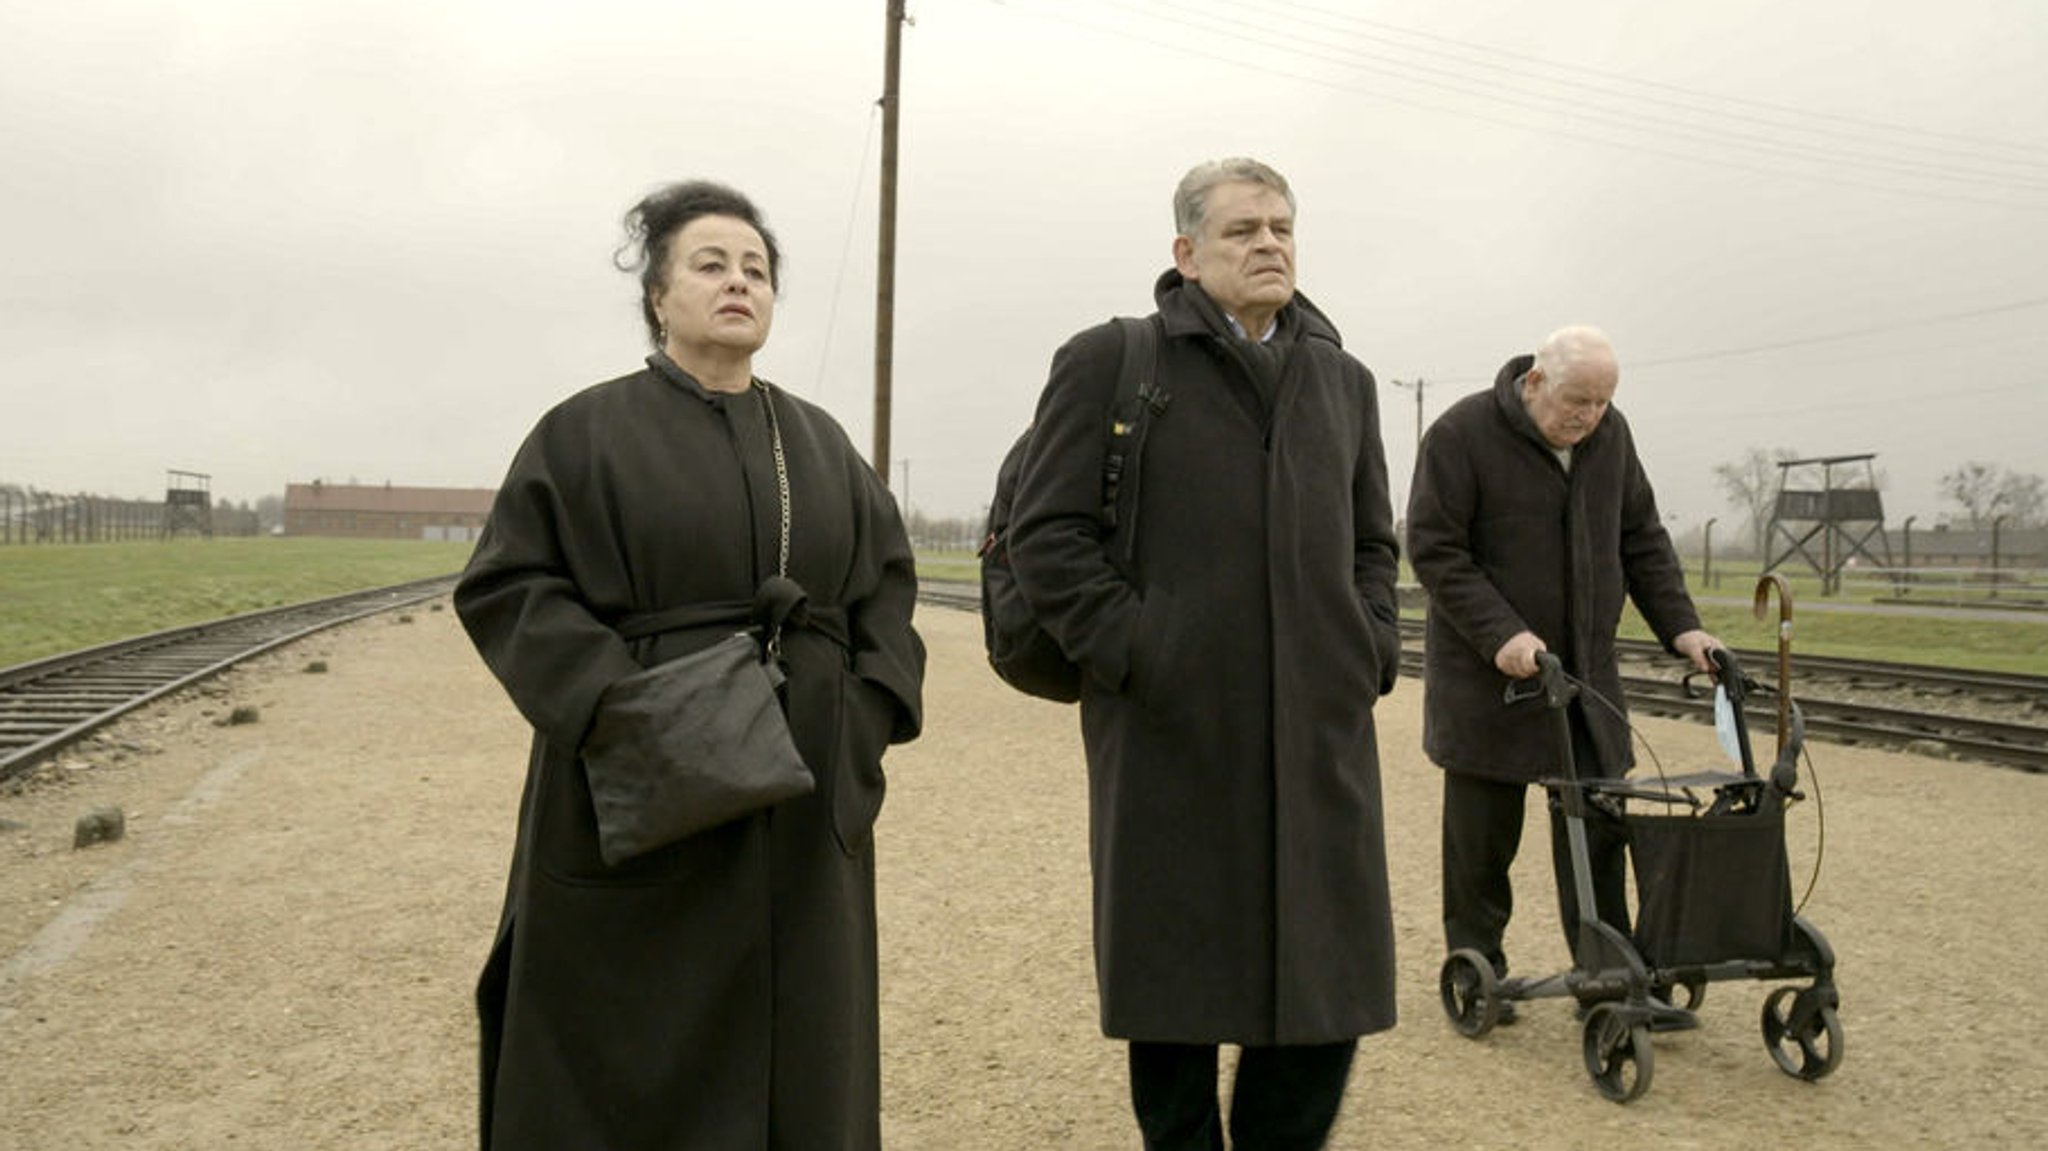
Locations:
(885, 263)
(1418, 386)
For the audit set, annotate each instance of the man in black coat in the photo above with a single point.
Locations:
(1529, 522)
(1231, 667)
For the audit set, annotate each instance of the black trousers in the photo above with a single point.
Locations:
(1482, 831)
(1283, 1099)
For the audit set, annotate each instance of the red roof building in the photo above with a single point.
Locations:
(385, 512)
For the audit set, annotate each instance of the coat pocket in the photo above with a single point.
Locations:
(1387, 649)
(1150, 655)
(867, 715)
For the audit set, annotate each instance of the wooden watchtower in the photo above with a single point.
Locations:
(188, 504)
(1829, 525)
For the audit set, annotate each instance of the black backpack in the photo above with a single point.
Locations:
(1019, 649)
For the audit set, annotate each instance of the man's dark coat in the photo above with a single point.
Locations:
(1235, 816)
(713, 992)
(1505, 539)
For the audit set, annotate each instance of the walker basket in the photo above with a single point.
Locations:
(1711, 888)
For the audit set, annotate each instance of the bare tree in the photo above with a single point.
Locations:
(1975, 487)
(1987, 491)
(1751, 484)
(2029, 499)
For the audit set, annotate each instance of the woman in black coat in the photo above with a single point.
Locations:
(719, 991)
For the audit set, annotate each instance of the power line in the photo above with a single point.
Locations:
(1824, 174)
(846, 250)
(1862, 402)
(1631, 364)
(2037, 153)
(1848, 334)
(1436, 75)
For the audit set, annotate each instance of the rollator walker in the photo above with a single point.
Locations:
(1714, 902)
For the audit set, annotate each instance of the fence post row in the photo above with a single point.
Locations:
(30, 516)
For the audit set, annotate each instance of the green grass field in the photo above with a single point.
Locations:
(62, 597)
(2014, 643)
(1850, 625)
(962, 566)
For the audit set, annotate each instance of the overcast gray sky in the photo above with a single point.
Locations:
(275, 241)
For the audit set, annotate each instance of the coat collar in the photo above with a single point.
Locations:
(667, 369)
(1507, 398)
(1187, 310)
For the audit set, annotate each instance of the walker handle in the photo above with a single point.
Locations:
(1729, 674)
(1558, 688)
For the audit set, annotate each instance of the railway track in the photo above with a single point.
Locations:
(2024, 746)
(49, 703)
(1988, 717)
(1834, 676)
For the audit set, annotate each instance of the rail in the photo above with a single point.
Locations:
(50, 703)
(1982, 716)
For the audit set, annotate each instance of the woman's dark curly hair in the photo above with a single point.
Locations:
(653, 223)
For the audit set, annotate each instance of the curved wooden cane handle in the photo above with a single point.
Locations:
(1764, 584)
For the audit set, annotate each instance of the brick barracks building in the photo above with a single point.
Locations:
(355, 511)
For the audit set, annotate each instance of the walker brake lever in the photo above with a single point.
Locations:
(1690, 682)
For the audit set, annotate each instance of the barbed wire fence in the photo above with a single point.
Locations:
(29, 515)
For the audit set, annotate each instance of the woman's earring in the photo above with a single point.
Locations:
(661, 334)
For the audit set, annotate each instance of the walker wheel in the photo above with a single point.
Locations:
(1618, 1053)
(1471, 992)
(1802, 1034)
(1687, 993)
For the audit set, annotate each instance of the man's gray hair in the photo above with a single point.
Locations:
(1191, 198)
(1565, 349)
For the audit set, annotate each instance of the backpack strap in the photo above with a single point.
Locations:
(1137, 396)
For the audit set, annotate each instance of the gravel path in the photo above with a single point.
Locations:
(280, 952)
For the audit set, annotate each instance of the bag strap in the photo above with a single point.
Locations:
(765, 601)
(781, 474)
(1135, 394)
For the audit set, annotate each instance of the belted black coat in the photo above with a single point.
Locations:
(1505, 539)
(1235, 822)
(722, 990)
